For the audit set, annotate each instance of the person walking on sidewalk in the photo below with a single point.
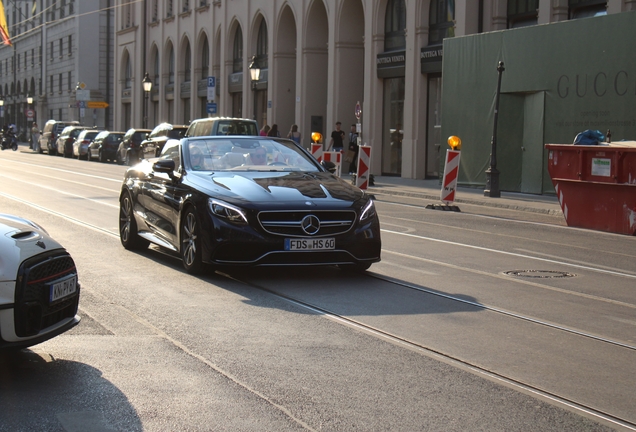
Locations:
(35, 137)
(337, 139)
(353, 147)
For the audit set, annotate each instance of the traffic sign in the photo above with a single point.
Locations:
(211, 107)
(96, 104)
(82, 95)
(358, 111)
(81, 104)
(29, 113)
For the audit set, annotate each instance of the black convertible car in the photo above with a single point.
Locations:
(235, 200)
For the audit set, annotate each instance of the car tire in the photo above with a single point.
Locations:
(128, 225)
(101, 156)
(128, 160)
(191, 243)
(118, 159)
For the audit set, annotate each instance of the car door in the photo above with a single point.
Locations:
(162, 197)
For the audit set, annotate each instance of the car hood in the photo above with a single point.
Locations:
(278, 187)
(20, 239)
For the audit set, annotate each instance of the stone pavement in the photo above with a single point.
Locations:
(431, 189)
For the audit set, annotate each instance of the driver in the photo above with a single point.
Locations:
(259, 156)
(196, 159)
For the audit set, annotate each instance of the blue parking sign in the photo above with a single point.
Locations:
(211, 81)
(211, 107)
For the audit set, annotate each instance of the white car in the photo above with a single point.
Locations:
(39, 289)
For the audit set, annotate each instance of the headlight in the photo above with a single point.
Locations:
(368, 211)
(227, 211)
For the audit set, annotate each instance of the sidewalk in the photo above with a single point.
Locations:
(431, 190)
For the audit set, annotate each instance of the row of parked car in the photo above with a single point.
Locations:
(70, 139)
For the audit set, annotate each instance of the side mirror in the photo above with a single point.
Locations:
(329, 166)
(164, 166)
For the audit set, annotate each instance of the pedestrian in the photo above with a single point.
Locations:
(264, 130)
(337, 139)
(353, 147)
(35, 136)
(293, 134)
(273, 132)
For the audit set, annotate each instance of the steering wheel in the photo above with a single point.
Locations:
(275, 163)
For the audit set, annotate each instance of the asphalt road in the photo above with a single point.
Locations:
(435, 337)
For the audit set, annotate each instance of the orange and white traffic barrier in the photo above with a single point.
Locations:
(335, 157)
(316, 151)
(364, 162)
(451, 170)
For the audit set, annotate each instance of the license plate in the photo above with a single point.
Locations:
(310, 244)
(63, 288)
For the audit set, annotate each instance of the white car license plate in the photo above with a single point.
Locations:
(63, 288)
(310, 244)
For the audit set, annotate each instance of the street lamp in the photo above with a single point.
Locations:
(147, 83)
(77, 89)
(492, 173)
(255, 74)
(30, 116)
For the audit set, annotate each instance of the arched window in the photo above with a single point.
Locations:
(522, 13)
(442, 21)
(261, 45)
(128, 73)
(587, 8)
(395, 25)
(187, 77)
(205, 59)
(238, 51)
(171, 66)
(156, 70)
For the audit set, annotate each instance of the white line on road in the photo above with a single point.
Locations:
(68, 171)
(583, 267)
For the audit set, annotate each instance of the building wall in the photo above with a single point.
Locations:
(35, 28)
(323, 57)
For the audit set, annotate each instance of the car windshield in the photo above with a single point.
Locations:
(246, 155)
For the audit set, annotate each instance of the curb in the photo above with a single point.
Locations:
(503, 205)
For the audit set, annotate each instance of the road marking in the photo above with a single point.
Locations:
(577, 261)
(68, 171)
(67, 193)
(62, 215)
(567, 264)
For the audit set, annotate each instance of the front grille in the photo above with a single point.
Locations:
(289, 223)
(33, 310)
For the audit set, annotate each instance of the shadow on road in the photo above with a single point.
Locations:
(39, 392)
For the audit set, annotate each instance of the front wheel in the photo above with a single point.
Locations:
(128, 225)
(191, 243)
(14, 146)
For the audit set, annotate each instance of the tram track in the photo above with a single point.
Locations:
(568, 403)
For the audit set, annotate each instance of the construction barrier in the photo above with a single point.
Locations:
(335, 157)
(449, 181)
(364, 161)
(316, 151)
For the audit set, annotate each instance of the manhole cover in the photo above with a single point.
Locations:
(539, 274)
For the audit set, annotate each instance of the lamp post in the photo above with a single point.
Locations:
(29, 117)
(147, 83)
(492, 173)
(255, 74)
(79, 118)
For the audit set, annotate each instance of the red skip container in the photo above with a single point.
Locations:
(596, 185)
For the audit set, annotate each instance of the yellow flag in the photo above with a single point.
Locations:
(4, 30)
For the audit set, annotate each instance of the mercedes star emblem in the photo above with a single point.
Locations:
(310, 224)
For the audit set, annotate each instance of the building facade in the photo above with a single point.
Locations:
(317, 59)
(57, 46)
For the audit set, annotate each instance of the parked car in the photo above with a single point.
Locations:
(152, 146)
(39, 288)
(222, 126)
(104, 146)
(81, 143)
(64, 143)
(48, 137)
(129, 150)
(266, 201)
